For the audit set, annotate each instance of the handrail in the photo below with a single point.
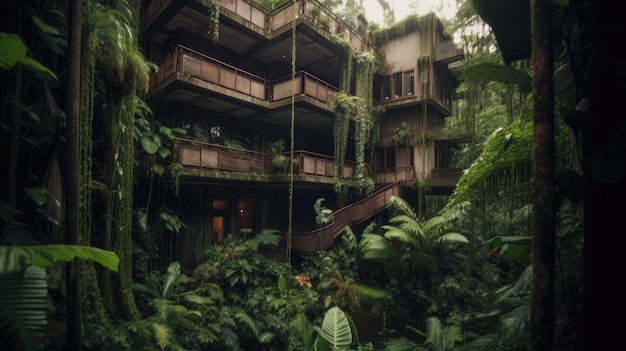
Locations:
(357, 212)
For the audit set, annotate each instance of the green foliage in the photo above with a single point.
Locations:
(15, 53)
(17, 258)
(499, 73)
(505, 159)
(159, 142)
(172, 222)
(336, 331)
(409, 241)
(162, 335)
(322, 213)
(438, 338)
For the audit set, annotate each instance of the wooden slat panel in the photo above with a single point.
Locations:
(243, 84)
(310, 87)
(309, 165)
(191, 66)
(210, 72)
(209, 158)
(320, 167)
(257, 89)
(257, 17)
(189, 156)
(329, 170)
(227, 78)
(243, 10)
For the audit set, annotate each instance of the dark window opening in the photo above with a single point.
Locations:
(397, 84)
(409, 83)
(386, 88)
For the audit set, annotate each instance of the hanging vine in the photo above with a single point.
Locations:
(358, 69)
(213, 8)
(364, 121)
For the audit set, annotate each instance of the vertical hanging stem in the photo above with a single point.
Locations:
(544, 182)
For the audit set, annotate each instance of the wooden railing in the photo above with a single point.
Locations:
(211, 156)
(405, 174)
(303, 83)
(190, 62)
(198, 154)
(279, 18)
(324, 238)
(445, 177)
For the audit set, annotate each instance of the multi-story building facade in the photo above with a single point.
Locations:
(256, 88)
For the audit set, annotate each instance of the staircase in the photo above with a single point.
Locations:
(354, 213)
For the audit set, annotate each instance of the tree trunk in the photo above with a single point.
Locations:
(73, 169)
(544, 183)
(604, 142)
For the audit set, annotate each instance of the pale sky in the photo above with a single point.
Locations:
(443, 8)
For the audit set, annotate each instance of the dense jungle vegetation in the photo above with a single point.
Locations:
(453, 275)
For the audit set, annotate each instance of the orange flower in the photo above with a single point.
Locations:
(304, 280)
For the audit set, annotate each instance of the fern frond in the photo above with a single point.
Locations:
(376, 247)
(395, 233)
(198, 299)
(398, 205)
(370, 227)
(245, 318)
(162, 335)
(400, 344)
(452, 238)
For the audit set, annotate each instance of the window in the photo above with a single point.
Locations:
(246, 215)
(397, 85)
(386, 158)
(409, 83)
(386, 87)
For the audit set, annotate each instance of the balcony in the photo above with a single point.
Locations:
(274, 23)
(447, 52)
(203, 71)
(441, 178)
(444, 177)
(217, 161)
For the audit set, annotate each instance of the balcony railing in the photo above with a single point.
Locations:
(194, 64)
(251, 12)
(203, 155)
(444, 177)
(439, 177)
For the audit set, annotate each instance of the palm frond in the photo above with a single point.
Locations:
(505, 160)
(398, 205)
(499, 73)
(452, 237)
(400, 234)
(376, 247)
